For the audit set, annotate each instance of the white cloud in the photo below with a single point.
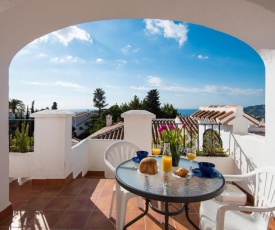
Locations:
(67, 59)
(126, 48)
(129, 48)
(112, 87)
(238, 91)
(57, 84)
(211, 89)
(142, 88)
(202, 57)
(167, 29)
(154, 81)
(121, 62)
(136, 50)
(42, 55)
(66, 35)
(99, 60)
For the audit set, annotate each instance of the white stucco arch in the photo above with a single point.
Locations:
(22, 21)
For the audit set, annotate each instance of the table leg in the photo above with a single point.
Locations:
(188, 218)
(138, 217)
(166, 216)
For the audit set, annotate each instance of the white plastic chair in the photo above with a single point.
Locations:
(115, 155)
(219, 216)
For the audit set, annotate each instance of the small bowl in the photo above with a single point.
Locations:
(206, 168)
(142, 154)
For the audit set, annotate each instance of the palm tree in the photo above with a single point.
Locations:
(15, 104)
(99, 99)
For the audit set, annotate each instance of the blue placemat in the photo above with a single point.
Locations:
(197, 172)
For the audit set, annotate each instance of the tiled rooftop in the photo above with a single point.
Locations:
(83, 204)
(116, 131)
(221, 114)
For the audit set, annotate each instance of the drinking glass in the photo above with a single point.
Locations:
(156, 150)
(191, 156)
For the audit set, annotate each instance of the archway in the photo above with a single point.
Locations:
(22, 21)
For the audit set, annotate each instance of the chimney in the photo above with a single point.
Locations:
(109, 120)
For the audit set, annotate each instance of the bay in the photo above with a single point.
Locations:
(187, 112)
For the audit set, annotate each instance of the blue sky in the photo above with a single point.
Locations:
(190, 65)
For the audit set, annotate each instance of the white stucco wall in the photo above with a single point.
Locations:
(52, 144)
(138, 128)
(96, 151)
(248, 150)
(268, 57)
(4, 137)
(80, 158)
(237, 18)
(21, 164)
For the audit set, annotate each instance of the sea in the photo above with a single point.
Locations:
(187, 112)
(182, 112)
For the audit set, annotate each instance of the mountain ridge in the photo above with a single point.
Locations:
(257, 111)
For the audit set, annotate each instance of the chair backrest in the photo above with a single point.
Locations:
(118, 153)
(265, 189)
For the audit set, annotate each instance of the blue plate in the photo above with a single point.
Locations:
(136, 159)
(197, 172)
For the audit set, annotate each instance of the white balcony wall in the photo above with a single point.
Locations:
(80, 158)
(52, 144)
(21, 164)
(96, 150)
(248, 150)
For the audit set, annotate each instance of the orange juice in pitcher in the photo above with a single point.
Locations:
(166, 160)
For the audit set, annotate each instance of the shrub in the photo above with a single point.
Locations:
(21, 141)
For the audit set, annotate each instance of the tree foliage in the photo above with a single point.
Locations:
(99, 99)
(15, 104)
(54, 106)
(32, 108)
(168, 111)
(135, 104)
(21, 142)
(152, 103)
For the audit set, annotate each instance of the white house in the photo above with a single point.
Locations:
(225, 119)
(81, 122)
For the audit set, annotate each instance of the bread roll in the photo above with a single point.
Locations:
(148, 165)
(182, 172)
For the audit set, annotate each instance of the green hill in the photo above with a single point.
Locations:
(257, 111)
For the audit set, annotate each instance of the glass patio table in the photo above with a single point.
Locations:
(169, 189)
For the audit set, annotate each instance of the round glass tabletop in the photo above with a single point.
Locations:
(169, 188)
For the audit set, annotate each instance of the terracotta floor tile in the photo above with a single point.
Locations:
(19, 219)
(49, 191)
(35, 203)
(88, 191)
(82, 203)
(60, 203)
(73, 220)
(77, 183)
(69, 191)
(140, 224)
(181, 221)
(99, 220)
(45, 219)
(95, 183)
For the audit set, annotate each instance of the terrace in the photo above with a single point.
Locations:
(76, 180)
(237, 18)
